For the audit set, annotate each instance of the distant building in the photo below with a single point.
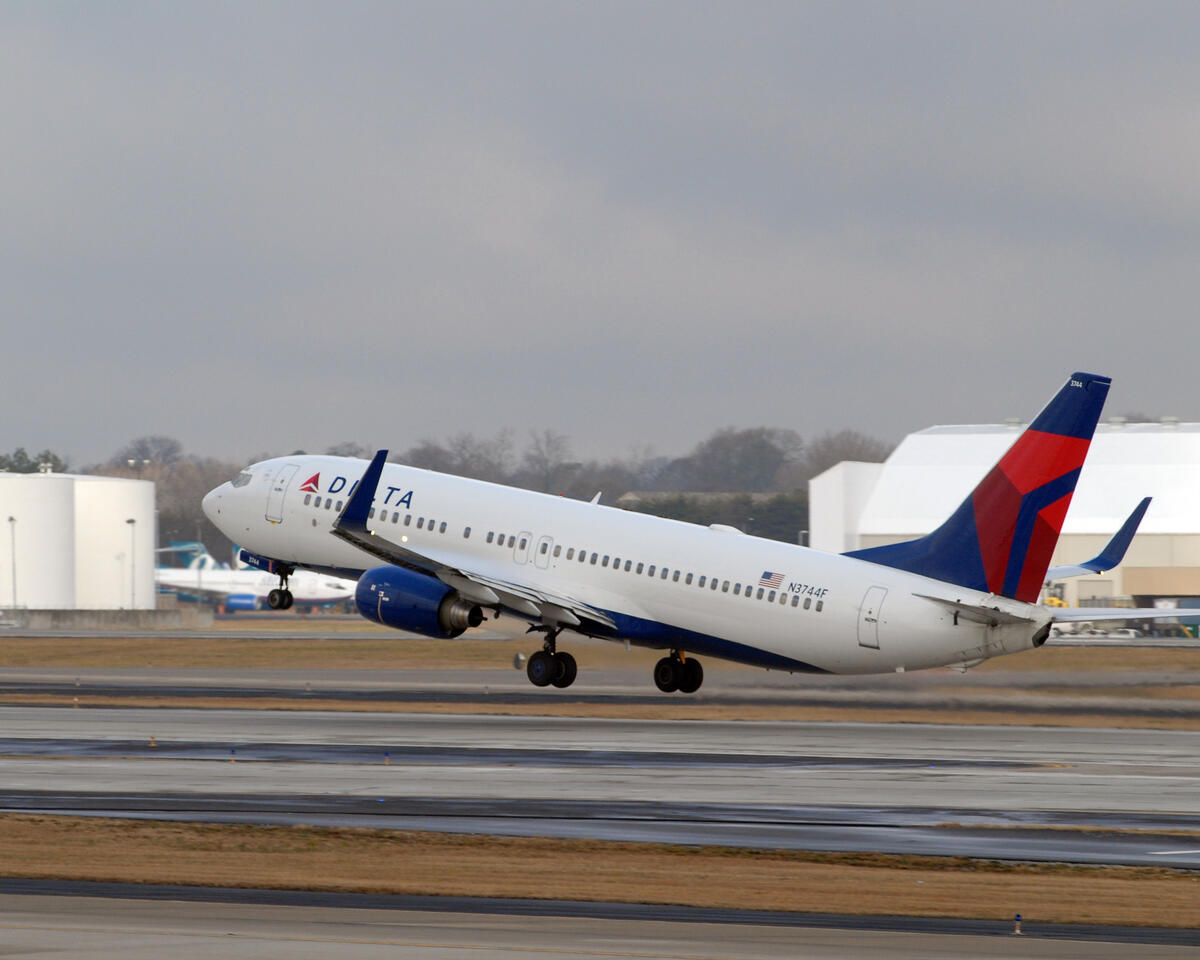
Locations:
(72, 542)
(931, 472)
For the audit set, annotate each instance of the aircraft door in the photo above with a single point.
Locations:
(521, 548)
(542, 550)
(278, 489)
(868, 617)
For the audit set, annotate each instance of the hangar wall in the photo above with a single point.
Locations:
(71, 546)
(932, 471)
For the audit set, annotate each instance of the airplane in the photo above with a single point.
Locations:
(250, 589)
(434, 554)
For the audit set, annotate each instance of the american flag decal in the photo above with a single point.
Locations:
(772, 580)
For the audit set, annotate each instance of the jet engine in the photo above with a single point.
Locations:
(415, 602)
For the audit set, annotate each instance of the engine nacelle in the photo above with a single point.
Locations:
(410, 601)
(241, 601)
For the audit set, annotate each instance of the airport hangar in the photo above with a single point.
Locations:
(76, 542)
(854, 505)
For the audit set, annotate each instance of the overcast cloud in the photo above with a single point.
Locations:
(270, 226)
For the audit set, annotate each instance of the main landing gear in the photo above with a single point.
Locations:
(678, 672)
(281, 598)
(550, 666)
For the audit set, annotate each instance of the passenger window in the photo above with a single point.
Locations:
(583, 556)
(339, 505)
(491, 536)
(737, 589)
(500, 540)
(665, 572)
(328, 503)
(467, 533)
(512, 539)
(421, 523)
(688, 580)
(725, 587)
(604, 562)
(807, 602)
(713, 584)
(371, 513)
(649, 572)
(629, 566)
(521, 546)
(820, 604)
(307, 499)
(396, 516)
(616, 563)
(760, 593)
(558, 551)
(570, 553)
(408, 519)
(545, 547)
(594, 556)
(795, 599)
(675, 578)
(702, 580)
(783, 598)
(442, 528)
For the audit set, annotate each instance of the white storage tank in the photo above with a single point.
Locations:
(37, 552)
(115, 539)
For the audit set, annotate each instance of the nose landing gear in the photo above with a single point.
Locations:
(678, 672)
(281, 598)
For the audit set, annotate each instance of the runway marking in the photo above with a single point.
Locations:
(1171, 853)
(418, 944)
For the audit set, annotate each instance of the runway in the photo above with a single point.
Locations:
(237, 924)
(1010, 793)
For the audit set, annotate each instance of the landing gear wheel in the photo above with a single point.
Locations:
(542, 668)
(666, 674)
(288, 600)
(275, 600)
(567, 669)
(692, 676)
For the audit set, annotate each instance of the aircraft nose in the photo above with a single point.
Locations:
(211, 504)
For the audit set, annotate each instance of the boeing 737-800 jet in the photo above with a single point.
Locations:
(434, 553)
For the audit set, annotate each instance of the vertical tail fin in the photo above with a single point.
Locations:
(1002, 536)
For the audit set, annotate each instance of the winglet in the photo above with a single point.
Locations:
(1111, 555)
(358, 508)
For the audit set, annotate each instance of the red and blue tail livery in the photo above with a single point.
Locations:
(1001, 538)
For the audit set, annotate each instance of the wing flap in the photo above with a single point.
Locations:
(977, 612)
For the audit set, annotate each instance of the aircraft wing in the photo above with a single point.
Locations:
(525, 599)
(1111, 555)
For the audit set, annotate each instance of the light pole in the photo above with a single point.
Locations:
(12, 527)
(132, 571)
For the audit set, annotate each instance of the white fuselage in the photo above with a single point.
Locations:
(828, 612)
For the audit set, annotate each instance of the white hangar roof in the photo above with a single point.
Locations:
(932, 471)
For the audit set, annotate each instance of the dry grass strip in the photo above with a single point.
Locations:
(391, 650)
(426, 863)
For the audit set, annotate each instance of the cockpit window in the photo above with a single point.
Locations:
(242, 479)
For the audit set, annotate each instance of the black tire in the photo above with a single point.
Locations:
(275, 600)
(666, 674)
(288, 600)
(693, 676)
(541, 669)
(568, 669)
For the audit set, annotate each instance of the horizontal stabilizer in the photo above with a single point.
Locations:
(1095, 614)
(1111, 555)
(977, 612)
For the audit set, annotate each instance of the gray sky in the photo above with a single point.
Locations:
(261, 227)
